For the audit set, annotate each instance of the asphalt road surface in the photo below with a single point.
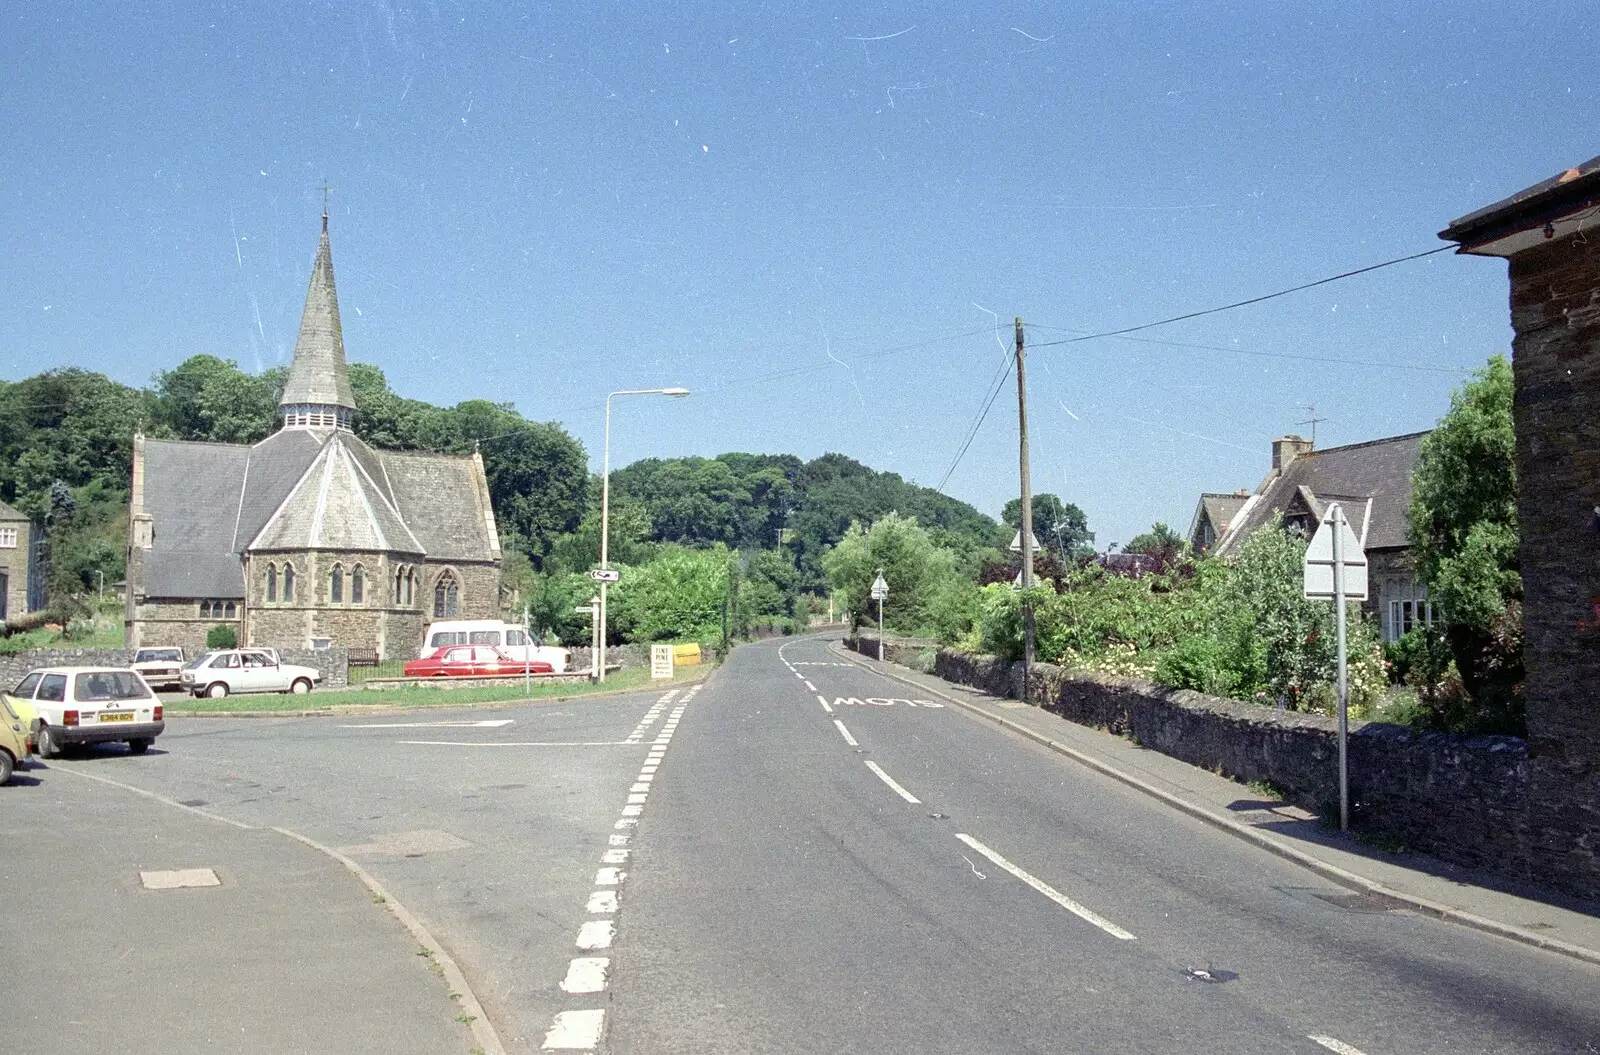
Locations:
(803, 856)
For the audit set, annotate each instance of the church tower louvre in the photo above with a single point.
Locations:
(317, 394)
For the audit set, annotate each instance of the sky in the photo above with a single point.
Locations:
(822, 218)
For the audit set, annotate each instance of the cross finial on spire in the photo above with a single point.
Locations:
(325, 192)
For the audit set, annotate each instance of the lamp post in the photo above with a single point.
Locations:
(605, 507)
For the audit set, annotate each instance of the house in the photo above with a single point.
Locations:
(21, 572)
(1372, 481)
(1212, 515)
(310, 537)
(1550, 235)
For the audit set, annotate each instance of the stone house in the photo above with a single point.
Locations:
(1212, 516)
(20, 573)
(310, 537)
(1550, 235)
(1372, 481)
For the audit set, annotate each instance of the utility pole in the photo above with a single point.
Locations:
(1027, 516)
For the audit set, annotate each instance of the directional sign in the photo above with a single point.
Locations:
(880, 588)
(605, 575)
(1319, 562)
(1016, 543)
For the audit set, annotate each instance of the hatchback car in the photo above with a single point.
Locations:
(161, 668)
(90, 705)
(218, 674)
(15, 746)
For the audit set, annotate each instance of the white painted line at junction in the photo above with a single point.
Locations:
(625, 823)
(520, 743)
(575, 1031)
(845, 733)
(493, 723)
(1338, 1046)
(810, 686)
(586, 974)
(602, 901)
(640, 799)
(632, 809)
(1049, 891)
(642, 786)
(614, 857)
(825, 704)
(596, 934)
(619, 840)
(898, 790)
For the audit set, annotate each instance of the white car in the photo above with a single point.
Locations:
(90, 705)
(161, 668)
(216, 674)
(509, 638)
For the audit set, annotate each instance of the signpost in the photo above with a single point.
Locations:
(1336, 569)
(880, 590)
(605, 574)
(592, 609)
(660, 662)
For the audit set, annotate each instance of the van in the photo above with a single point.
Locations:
(508, 637)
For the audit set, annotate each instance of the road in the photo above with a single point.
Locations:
(801, 857)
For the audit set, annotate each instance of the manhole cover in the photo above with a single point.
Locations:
(179, 878)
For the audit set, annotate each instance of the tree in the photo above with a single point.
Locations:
(1059, 526)
(207, 398)
(1160, 541)
(912, 564)
(680, 594)
(1463, 527)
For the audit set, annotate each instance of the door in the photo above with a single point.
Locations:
(260, 674)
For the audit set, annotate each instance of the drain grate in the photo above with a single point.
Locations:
(1362, 902)
(1210, 975)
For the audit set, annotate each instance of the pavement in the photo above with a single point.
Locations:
(1513, 910)
(278, 949)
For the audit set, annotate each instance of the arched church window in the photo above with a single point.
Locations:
(272, 582)
(288, 582)
(399, 584)
(229, 610)
(358, 584)
(336, 585)
(411, 586)
(446, 597)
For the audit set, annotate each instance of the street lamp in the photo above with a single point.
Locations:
(605, 506)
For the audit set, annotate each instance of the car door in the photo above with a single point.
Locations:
(261, 674)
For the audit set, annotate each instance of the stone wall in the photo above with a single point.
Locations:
(629, 655)
(334, 663)
(1555, 311)
(176, 623)
(1464, 799)
(16, 567)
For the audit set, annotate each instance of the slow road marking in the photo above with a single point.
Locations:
(887, 779)
(1052, 893)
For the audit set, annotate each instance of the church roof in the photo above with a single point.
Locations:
(446, 500)
(339, 503)
(192, 491)
(318, 374)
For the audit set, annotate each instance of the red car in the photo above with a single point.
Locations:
(472, 661)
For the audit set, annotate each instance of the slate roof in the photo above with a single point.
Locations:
(191, 491)
(338, 505)
(1372, 480)
(1574, 188)
(318, 374)
(443, 503)
(1220, 509)
(9, 513)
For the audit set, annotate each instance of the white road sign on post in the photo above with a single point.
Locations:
(880, 591)
(605, 575)
(1336, 568)
(660, 661)
(1016, 543)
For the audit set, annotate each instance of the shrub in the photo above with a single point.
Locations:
(222, 636)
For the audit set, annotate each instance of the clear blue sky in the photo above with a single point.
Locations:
(538, 207)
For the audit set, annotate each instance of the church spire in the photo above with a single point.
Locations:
(317, 393)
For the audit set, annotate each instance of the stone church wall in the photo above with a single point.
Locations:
(176, 622)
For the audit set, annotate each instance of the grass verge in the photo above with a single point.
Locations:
(630, 679)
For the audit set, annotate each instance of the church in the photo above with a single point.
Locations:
(310, 537)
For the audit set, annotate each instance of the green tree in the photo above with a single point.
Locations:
(207, 398)
(680, 594)
(1463, 527)
(914, 567)
(1159, 540)
(1059, 526)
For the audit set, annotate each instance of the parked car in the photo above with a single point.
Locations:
(161, 668)
(15, 739)
(473, 661)
(89, 705)
(511, 639)
(217, 674)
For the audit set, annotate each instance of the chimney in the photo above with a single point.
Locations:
(1286, 450)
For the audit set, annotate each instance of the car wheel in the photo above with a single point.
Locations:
(46, 746)
(8, 765)
(218, 690)
(139, 746)
(300, 687)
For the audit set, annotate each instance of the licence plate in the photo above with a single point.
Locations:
(116, 716)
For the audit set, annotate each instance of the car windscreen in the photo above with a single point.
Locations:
(158, 655)
(199, 661)
(25, 687)
(103, 686)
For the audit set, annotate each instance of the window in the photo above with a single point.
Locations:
(358, 584)
(484, 637)
(288, 582)
(8, 538)
(272, 582)
(446, 597)
(24, 689)
(446, 638)
(411, 586)
(399, 584)
(229, 611)
(158, 655)
(336, 589)
(106, 685)
(228, 661)
(54, 688)
(1407, 609)
(516, 637)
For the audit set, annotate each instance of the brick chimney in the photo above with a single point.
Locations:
(1286, 450)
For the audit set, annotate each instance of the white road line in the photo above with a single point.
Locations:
(1048, 891)
(619, 840)
(614, 857)
(845, 733)
(810, 686)
(602, 901)
(495, 723)
(1338, 1046)
(825, 704)
(586, 974)
(596, 934)
(632, 809)
(575, 1031)
(640, 799)
(887, 779)
(520, 743)
(620, 825)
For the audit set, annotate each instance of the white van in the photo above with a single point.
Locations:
(508, 637)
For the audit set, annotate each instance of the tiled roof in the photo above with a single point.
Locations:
(1527, 205)
(318, 374)
(444, 499)
(191, 491)
(337, 505)
(9, 513)
(1378, 472)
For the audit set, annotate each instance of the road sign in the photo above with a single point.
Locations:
(880, 588)
(1319, 565)
(605, 575)
(1016, 543)
(660, 661)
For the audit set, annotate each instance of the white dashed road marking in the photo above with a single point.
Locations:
(825, 704)
(810, 686)
(1338, 1046)
(493, 723)
(596, 934)
(1052, 893)
(846, 734)
(575, 1031)
(887, 779)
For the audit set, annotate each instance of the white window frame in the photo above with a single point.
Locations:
(8, 538)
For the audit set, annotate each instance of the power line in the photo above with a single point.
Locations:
(972, 432)
(1372, 363)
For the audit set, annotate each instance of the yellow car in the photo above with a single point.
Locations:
(15, 747)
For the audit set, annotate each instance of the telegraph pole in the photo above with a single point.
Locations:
(1027, 515)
